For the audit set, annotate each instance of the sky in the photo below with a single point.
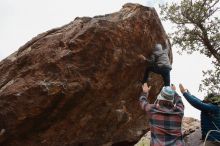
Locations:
(24, 19)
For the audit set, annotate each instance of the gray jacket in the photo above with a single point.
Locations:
(160, 57)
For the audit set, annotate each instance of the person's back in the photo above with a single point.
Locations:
(161, 57)
(210, 121)
(165, 119)
(165, 125)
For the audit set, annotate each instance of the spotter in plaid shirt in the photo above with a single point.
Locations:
(165, 123)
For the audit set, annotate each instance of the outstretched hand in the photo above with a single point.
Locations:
(145, 88)
(182, 89)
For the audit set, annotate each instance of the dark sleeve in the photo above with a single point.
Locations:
(166, 50)
(179, 103)
(151, 59)
(144, 102)
(197, 103)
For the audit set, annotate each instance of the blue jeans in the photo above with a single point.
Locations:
(163, 71)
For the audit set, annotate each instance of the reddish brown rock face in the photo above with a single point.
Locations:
(78, 84)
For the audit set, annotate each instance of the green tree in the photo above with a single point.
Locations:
(197, 29)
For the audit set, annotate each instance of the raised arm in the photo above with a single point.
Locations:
(143, 101)
(143, 98)
(197, 103)
(179, 103)
(177, 100)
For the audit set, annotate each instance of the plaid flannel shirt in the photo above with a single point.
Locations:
(165, 124)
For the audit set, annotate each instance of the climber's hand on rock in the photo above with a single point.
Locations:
(182, 89)
(145, 88)
(142, 57)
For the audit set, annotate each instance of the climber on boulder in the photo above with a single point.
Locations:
(159, 63)
(165, 116)
(210, 114)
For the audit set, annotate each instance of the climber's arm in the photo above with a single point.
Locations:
(151, 59)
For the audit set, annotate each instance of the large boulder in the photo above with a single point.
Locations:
(79, 84)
